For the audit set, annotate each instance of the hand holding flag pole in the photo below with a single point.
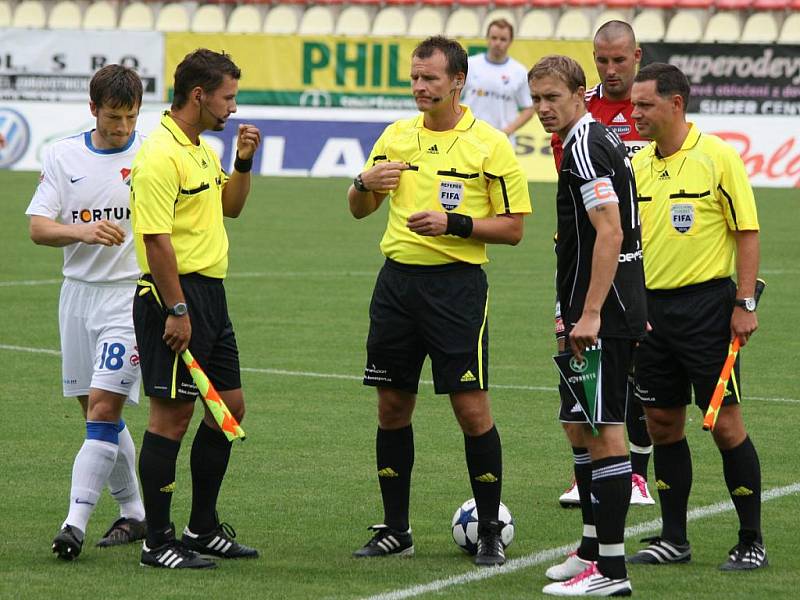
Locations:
(710, 419)
(216, 406)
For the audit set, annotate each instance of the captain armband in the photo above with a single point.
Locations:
(598, 191)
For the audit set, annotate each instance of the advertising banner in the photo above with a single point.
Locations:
(56, 65)
(736, 79)
(336, 71)
(334, 142)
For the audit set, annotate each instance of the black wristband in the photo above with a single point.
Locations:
(460, 225)
(242, 165)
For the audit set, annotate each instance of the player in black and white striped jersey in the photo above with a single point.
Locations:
(600, 281)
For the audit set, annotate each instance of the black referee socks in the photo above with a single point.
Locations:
(485, 466)
(394, 452)
(157, 473)
(673, 469)
(211, 452)
(743, 477)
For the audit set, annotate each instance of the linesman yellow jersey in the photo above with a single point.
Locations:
(470, 169)
(690, 205)
(176, 188)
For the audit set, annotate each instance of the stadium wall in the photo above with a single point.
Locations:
(333, 142)
(331, 96)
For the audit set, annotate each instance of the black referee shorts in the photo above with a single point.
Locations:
(616, 360)
(439, 311)
(687, 346)
(213, 342)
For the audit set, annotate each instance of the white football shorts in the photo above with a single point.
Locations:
(98, 343)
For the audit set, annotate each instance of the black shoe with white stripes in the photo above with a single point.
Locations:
(219, 542)
(173, 555)
(745, 557)
(661, 552)
(491, 552)
(387, 542)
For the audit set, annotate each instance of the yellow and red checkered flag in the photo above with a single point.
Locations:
(719, 392)
(222, 415)
(226, 421)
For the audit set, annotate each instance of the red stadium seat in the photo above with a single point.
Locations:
(733, 4)
(437, 2)
(701, 4)
(365, 2)
(586, 3)
(626, 3)
(663, 4)
(473, 2)
(771, 4)
(547, 3)
(511, 3)
(401, 2)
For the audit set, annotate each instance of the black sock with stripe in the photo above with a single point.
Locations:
(583, 479)
(611, 488)
(485, 465)
(211, 452)
(743, 477)
(672, 464)
(157, 459)
(641, 445)
(394, 450)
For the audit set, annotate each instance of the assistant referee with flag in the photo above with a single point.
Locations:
(453, 185)
(699, 224)
(179, 196)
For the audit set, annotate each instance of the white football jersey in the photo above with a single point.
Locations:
(82, 184)
(496, 92)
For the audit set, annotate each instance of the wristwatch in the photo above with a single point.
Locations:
(748, 304)
(358, 183)
(178, 310)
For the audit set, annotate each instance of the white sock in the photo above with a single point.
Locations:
(90, 471)
(122, 482)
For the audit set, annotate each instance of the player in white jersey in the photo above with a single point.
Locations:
(82, 204)
(497, 85)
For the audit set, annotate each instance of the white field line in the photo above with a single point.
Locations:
(315, 375)
(31, 350)
(553, 554)
(317, 274)
(242, 275)
(30, 282)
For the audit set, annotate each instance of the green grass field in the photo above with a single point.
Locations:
(302, 488)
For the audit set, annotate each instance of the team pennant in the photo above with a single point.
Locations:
(581, 378)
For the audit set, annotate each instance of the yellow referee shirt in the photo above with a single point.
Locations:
(176, 188)
(690, 205)
(470, 169)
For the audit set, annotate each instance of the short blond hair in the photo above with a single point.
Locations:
(561, 67)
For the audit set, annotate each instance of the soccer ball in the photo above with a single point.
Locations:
(465, 526)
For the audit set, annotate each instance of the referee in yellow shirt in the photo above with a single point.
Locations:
(453, 185)
(179, 196)
(699, 225)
